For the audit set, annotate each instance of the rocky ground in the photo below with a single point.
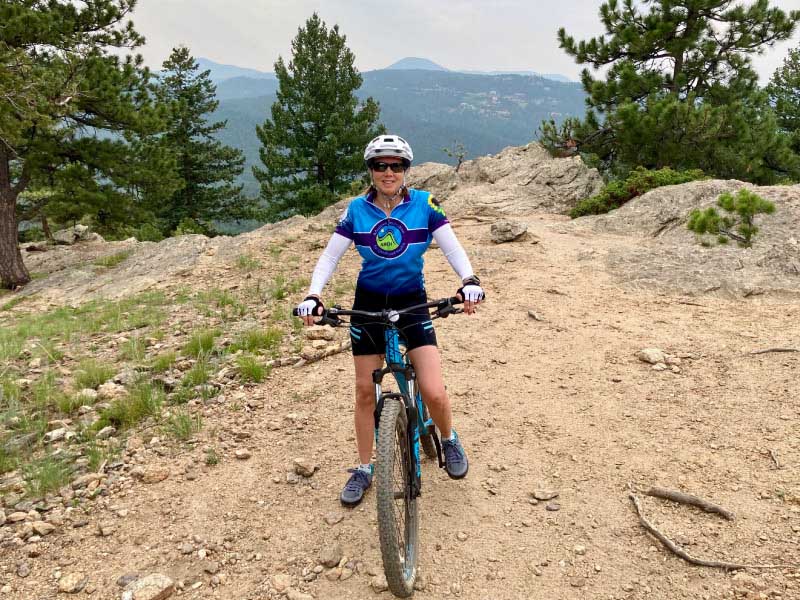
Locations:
(560, 414)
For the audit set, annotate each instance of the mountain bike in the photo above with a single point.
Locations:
(402, 426)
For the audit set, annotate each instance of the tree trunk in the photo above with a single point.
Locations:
(46, 229)
(12, 270)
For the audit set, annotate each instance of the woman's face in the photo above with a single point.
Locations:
(388, 182)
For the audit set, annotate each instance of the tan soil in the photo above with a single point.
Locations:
(560, 404)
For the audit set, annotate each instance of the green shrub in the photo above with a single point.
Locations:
(741, 209)
(113, 260)
(163, 362)
(46, 475)
(91, 374)
(197, 375)
(638, 182)
(145, 400)
(247, 263)
(258, 339)
(201, 343)
(250, 369)
(182, 425)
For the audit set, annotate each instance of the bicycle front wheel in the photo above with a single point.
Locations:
(397, 510)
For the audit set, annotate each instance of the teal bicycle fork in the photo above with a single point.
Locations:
(401, 369)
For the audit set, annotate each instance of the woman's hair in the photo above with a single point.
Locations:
(372, 191)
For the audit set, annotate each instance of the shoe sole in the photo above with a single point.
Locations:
(451, 476)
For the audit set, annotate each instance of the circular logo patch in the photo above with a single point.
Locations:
(389, 238)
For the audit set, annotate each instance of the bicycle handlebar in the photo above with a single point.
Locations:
(444, 308)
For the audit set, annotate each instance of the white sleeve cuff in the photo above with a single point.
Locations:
(453, 251)
(327, 263)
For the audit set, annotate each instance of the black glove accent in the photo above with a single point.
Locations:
(319, 307)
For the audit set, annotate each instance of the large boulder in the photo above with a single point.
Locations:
(517, 181)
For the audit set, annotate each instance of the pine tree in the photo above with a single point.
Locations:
(784, 92)
(680, 89)
(312, 148)
(61, 85)
(206, 168)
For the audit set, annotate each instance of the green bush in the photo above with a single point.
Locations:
(638, 182)
(741, 209)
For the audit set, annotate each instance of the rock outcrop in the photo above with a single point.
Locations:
(665, 255)
(517, 181)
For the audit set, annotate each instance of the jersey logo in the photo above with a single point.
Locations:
(389, 238)
(434, 204)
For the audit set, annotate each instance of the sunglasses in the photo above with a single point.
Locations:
(381, 167)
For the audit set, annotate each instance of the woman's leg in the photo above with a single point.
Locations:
(428, 366)
(365, 404)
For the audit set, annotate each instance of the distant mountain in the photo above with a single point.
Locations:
(220, 72)
(433, 109)
(413, 62)
(550, 76)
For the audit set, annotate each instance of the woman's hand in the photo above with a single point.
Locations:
(309, 309)
(472, 294)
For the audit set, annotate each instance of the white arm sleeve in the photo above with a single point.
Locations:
(453, 251)
(326, 264)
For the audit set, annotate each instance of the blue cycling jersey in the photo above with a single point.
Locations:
(391, 247)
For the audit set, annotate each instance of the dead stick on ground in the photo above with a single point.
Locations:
(674, 548)
(765, 350)
(682, 498)
(775, 459)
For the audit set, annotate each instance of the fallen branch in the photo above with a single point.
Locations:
(329, 351)
(677, 550)
(774, 459)
(775, 350)
(682, 498)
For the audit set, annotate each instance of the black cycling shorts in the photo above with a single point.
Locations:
(416, 328)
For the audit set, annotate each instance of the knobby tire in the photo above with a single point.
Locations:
(398, 522)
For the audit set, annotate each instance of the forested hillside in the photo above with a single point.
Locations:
(433, 109)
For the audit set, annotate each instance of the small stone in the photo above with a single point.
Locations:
(186, 548)
(462, 536)
(303, 467)
(553, 506)
(545, 494)
(281, 581)
(17, 517)
(293, 594)
(72, 583)
(242, 454)
(43, 528)
(379, 583)
(455, 588)
(651, 355)
(155, 475)
(106, 432)
(124, 580)
(211, 567)
(105, 529)
(330, 555)
(577, 582)
(659, 367)
(56, 435)
(333, 518)
(23, 569)
(152, 587)
(579, 550)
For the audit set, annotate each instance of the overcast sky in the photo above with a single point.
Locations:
(458, 34)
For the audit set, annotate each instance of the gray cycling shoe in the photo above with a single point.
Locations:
(455, 459)
(354, 489)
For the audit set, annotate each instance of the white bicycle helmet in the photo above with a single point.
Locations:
(389, 145)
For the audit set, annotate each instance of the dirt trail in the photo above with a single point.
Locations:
(560, 404)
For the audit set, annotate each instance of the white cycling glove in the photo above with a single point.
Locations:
(472, 293)
(308, 307)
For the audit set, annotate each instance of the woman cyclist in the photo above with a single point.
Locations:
(391, 227)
